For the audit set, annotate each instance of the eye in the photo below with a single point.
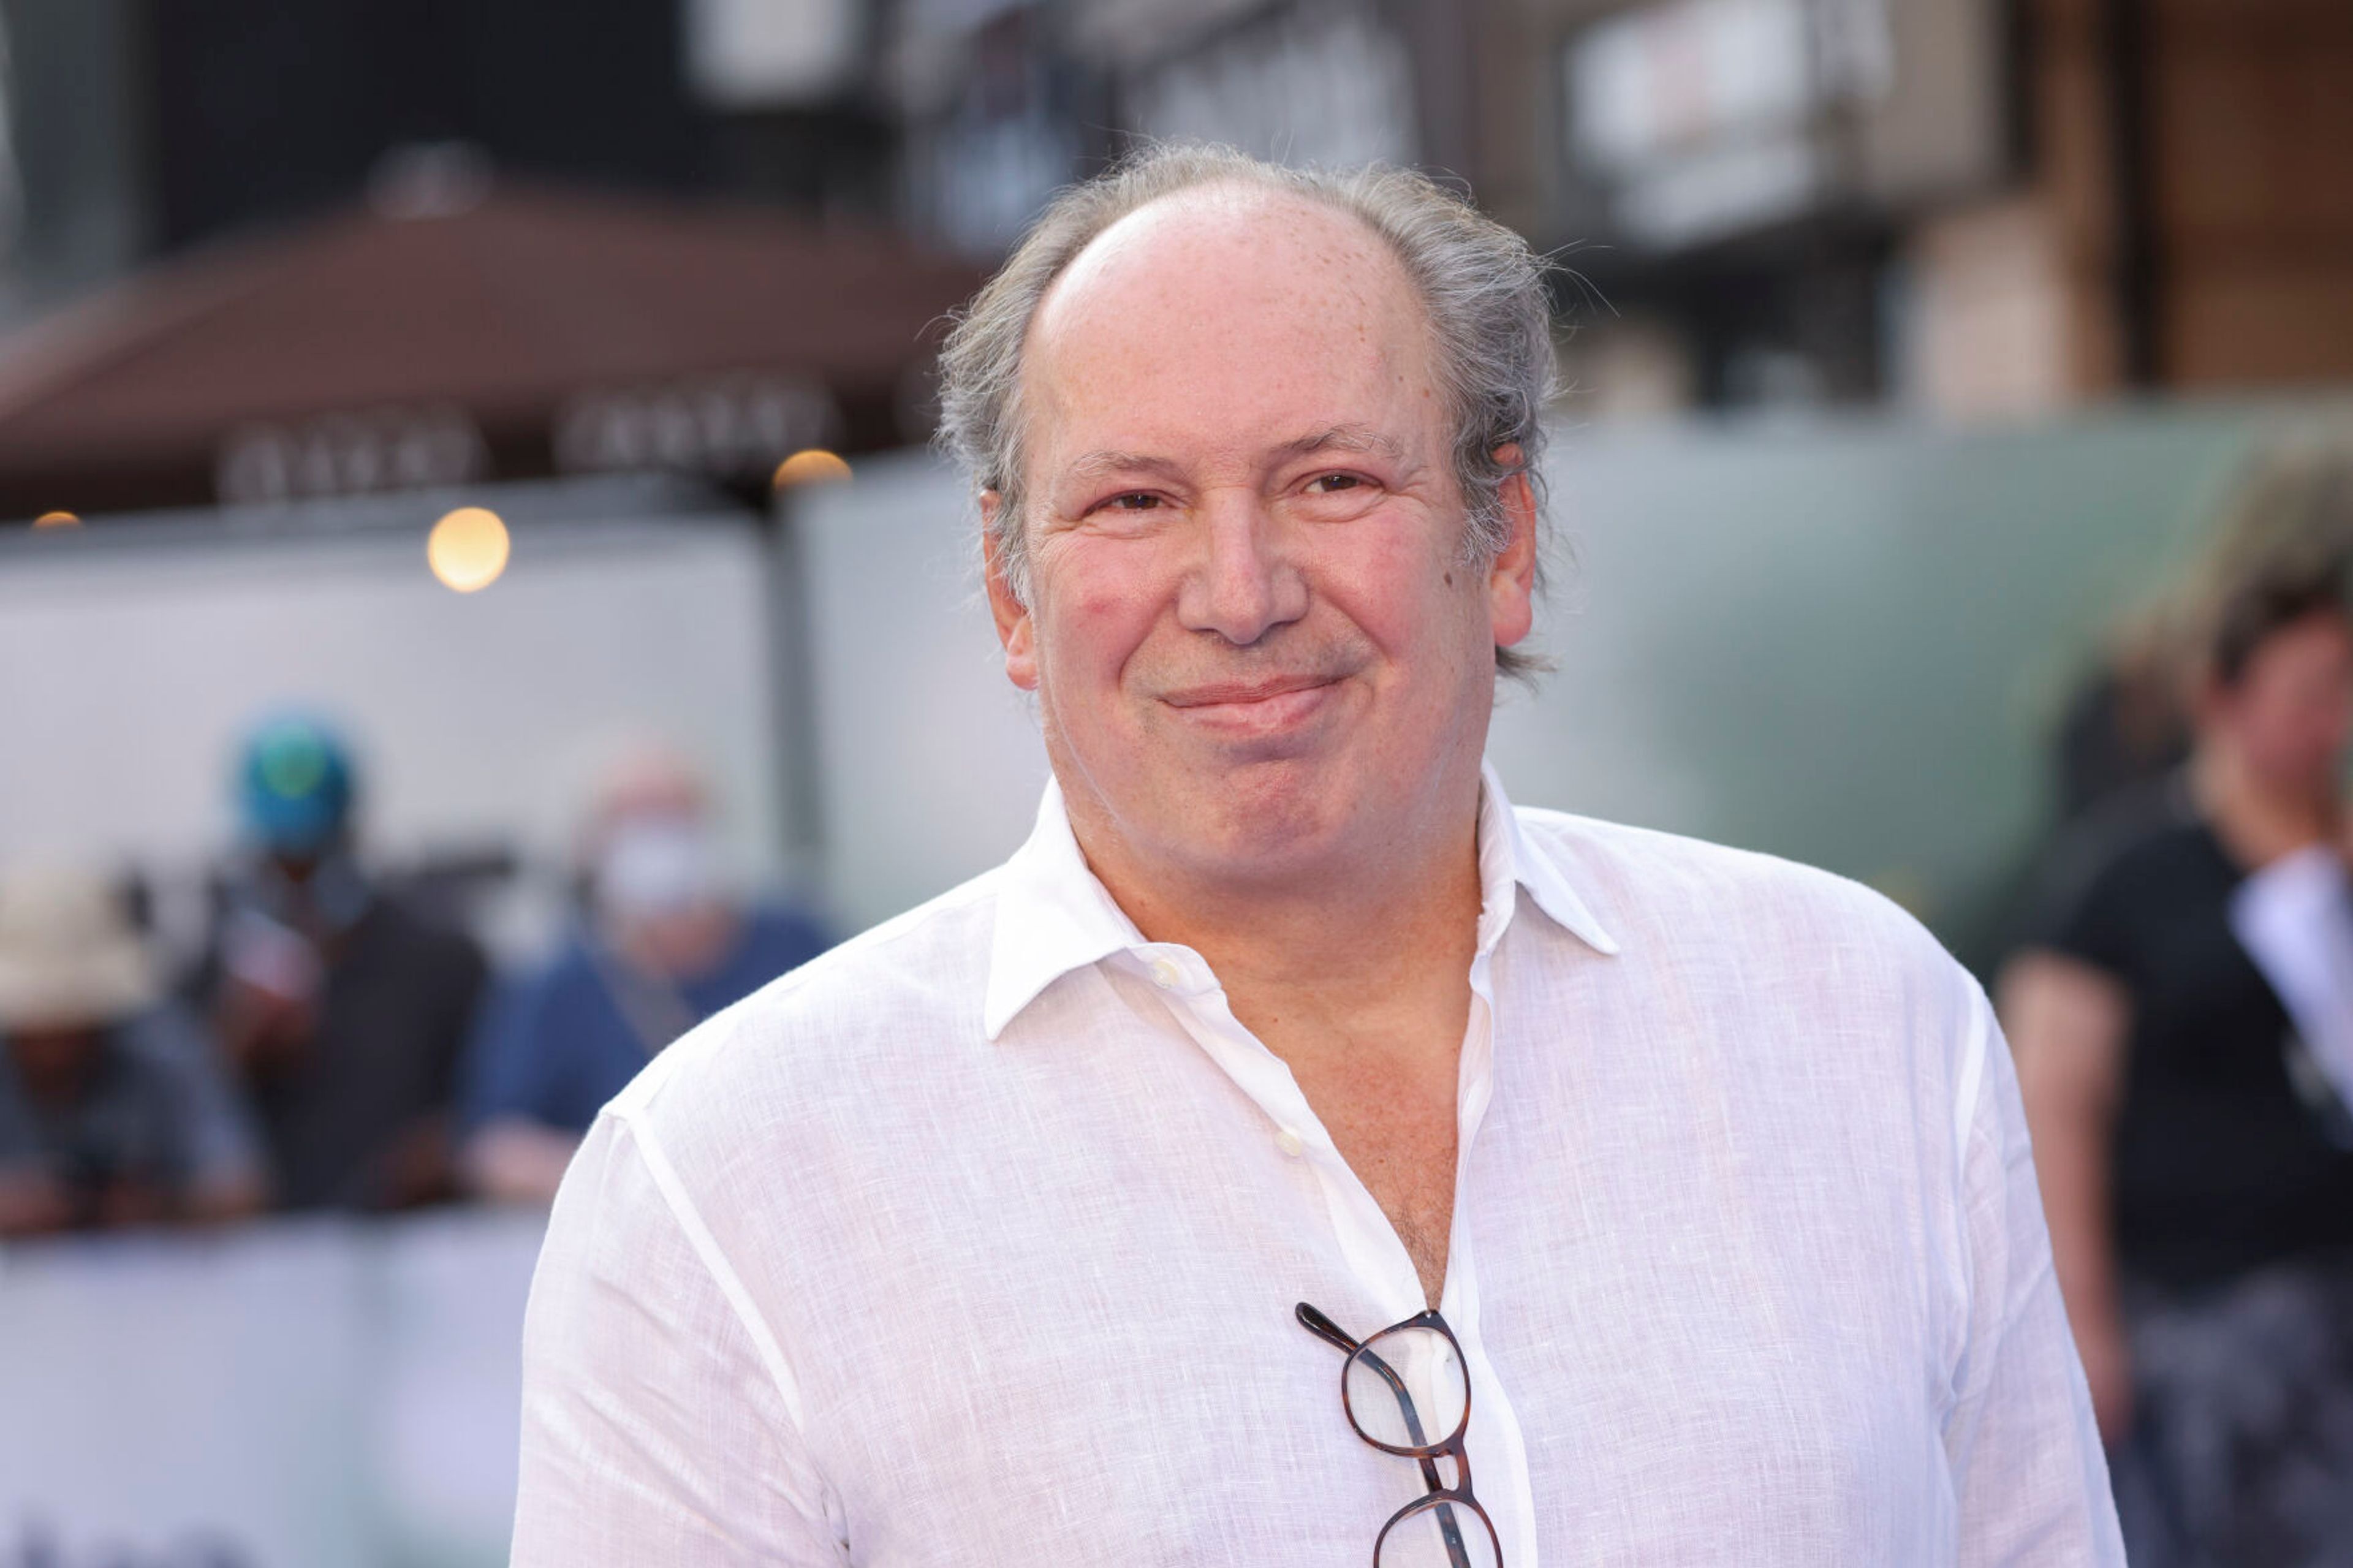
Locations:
(1134, 501)
(1333, 484)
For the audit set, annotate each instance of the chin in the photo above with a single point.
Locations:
(1271, 817)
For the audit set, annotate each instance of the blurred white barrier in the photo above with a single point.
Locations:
(315, 1394)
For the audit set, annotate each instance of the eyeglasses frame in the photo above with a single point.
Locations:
(1316, 1322)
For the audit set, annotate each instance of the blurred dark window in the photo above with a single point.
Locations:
(264, 110)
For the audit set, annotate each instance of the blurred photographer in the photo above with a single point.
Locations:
(344, 1010)
(112, 1111)
(665, 943)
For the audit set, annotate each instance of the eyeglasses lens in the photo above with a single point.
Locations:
(1440, 1535)
(1407, 1388)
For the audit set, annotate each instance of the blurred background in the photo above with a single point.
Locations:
(474, 596)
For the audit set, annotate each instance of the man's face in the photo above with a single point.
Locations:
(1250, 628)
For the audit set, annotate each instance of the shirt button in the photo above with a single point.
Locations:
(1166, 975)
(1290, 1143)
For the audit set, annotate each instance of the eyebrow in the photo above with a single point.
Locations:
(1338, 438)
(1344, 439)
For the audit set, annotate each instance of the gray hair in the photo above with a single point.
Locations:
(1481, 285)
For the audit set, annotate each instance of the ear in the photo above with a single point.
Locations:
(1011, 616)
(1512, 578)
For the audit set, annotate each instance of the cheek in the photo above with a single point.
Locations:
(1403, 595)
(2297, 732)
(1096, 607)
(2329, 725)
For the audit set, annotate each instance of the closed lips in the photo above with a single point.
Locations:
(1238, 692)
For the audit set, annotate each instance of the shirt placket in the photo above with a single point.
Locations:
(1368, 1243)
(1498, 1449)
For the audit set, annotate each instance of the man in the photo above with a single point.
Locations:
(113, 1112)
(1035, 1226)
(343, 1011)
(666, 943)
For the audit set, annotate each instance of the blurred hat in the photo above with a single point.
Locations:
(294, 784)
(69, 955)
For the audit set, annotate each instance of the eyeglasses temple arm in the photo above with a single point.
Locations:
(1324, 1328)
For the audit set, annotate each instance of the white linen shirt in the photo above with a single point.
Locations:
(976, 1242)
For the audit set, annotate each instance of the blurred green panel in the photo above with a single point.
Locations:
(1848, 644)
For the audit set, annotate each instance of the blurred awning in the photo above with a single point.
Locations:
(512, 333)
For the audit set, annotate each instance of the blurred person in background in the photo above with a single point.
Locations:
(664, 943)
(112, 1109)
(343, 1011)
(2197, 1162)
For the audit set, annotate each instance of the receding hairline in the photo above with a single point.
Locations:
(1235, 192)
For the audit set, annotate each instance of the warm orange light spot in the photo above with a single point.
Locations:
(57, 520)
(468, 548)
(816, 466)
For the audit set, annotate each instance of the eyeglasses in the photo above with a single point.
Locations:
(1398, 1387)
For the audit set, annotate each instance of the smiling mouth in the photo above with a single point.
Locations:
(1247, 693)
(1246, 709)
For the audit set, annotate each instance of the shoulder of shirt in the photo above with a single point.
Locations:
(1734, 921)
(1643, 883)
(877, 991)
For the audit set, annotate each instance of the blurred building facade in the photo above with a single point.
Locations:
(1977, 207)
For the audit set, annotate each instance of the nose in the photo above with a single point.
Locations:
(1243, 583)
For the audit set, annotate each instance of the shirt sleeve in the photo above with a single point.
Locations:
(2029, 1477)
(504, 1073)
(2087, 905)
(660, 1423)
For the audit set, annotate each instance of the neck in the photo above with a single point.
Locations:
(2259, 820)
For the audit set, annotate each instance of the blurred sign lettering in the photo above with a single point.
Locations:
(720, 425)
(36, 1546)
(351, 454)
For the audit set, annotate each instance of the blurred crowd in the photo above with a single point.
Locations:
(2180, 1006)
(334, 1046)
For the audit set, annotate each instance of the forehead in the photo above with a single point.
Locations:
(1214, 311)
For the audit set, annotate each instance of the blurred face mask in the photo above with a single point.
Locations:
(654, 866)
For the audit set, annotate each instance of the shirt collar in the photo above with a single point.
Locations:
(1054, 916)
(1508, 856)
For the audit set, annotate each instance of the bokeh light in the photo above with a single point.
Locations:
(468, 548)
(813, 465)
